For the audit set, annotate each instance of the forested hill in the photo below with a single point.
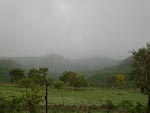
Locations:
(5, 66)
(100, 77)
(122, 67)
(58, 64)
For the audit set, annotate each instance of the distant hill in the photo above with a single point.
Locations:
(122, 67)
(55, 63)
(5, 66)
(98, 78)
(58, 64)
(94, 63)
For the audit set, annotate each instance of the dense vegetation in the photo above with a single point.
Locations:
(69, 92)
(106, 77)
(95, 100)
(31, 97)
(107, 90)
(141, 72)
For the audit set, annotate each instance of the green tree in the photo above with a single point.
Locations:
(120, 78)
(35, 76)
(16, 74)
(141, 70)
(80, 81)
(58, 84)
(43, 72)
(10, 105)
(39, 77)
(26, 83)
(31, 101)
(111, 81)
(73, 79)
(69, 78)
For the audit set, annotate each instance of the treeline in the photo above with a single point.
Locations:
(71, 79)
(40, 77)
(112, 79)
(33, 82)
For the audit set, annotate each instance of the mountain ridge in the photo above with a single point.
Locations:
(58, 64)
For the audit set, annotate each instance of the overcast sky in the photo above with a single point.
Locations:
(73, 28)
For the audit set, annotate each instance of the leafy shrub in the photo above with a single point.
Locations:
(109, 105)
(10, 105)
(140, 108)
(58, 84)
(31, 101)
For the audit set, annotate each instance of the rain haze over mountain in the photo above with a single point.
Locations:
(73, 28)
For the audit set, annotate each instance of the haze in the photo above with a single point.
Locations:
(73, 28)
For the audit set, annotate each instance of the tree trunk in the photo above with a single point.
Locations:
(148, 110)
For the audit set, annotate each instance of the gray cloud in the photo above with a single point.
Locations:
(73, 28)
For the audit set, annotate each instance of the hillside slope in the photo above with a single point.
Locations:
(5, 66)
(57, 63)
(99, 77)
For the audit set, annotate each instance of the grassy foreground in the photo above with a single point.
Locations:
(91, 96)
(72, 101)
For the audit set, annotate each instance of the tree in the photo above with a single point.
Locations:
(73, 79)
(35, 76)
(58, 84)
(39, 77)
(141, 70)
(80, 81)
(43, 72)
(16, 74)
(120, 78)
(69, 78)
(25, 83)
(111, 81)
(31, 101)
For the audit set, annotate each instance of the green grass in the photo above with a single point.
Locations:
(92, 96)
(87, 97)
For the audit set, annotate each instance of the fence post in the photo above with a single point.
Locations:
(46, 98)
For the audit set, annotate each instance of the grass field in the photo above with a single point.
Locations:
(86, 97)
(91, 96)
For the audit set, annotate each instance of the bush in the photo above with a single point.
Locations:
(126, 106)
(31, 101)
(58, 84)
(139, 108)
(10, 105)
(109, 105)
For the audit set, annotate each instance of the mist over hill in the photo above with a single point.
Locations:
(123, 66)
(100, 76)
(5, 66)
(57, 64)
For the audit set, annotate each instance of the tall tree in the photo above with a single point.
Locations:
(16, 74)
(35, 76)
(73, 79)
(141, 70)
(43, 72)
(26, 83)
(38, 76)
(69, 78)
(80, 81)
